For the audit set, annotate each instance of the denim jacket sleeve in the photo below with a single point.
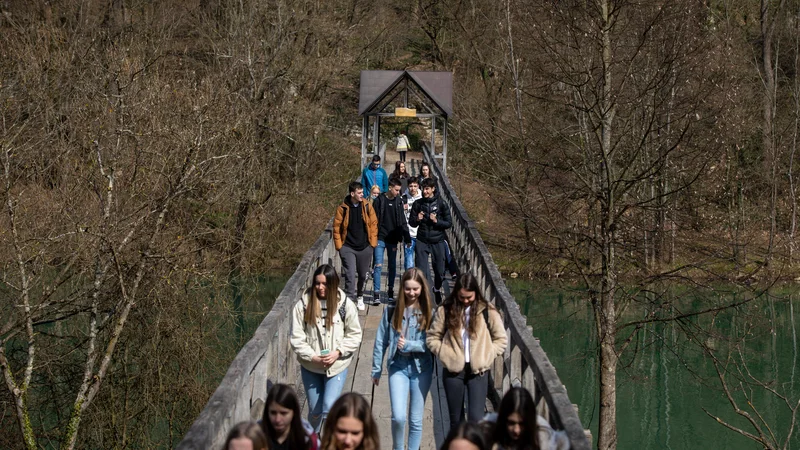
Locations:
(381, 343)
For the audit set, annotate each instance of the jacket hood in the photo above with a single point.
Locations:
(347, 201)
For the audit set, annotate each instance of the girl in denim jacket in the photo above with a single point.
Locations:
(410, 363)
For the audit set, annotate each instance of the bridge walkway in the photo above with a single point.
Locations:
(267, 358)
(359, 373)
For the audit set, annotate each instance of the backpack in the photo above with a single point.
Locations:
(389, 313)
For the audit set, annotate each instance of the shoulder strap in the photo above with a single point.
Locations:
(389, 314)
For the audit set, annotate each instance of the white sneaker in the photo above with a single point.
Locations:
(360, 304)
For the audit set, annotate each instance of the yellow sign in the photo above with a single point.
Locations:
(405, 112)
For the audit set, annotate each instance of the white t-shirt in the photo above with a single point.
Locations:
(465, 334)
(407, 314)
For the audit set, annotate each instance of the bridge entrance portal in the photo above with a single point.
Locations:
(413, 95)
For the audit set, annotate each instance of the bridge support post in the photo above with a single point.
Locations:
(364, 132)
(444, 146)
(376, 142)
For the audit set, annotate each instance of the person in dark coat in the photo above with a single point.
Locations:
(432, 216)
(392, 230)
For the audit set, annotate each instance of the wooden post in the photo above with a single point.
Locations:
(364, 132)
(376, 138)
(444, 146)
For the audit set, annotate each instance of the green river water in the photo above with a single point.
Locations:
(665, 381)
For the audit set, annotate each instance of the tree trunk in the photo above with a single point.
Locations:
(768, 112)
(607, 317)
(607, 329)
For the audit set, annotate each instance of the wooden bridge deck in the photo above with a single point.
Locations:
(435, 419)
(267, 357)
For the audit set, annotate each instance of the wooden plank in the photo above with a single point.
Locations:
(362, 381)
(441, 419)
(351, 371)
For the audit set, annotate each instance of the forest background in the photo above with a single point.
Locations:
(154, 152)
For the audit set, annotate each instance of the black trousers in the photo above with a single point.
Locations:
(476, 387)
(438, 254)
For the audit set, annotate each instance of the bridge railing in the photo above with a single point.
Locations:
(266, 358)
(525, 362)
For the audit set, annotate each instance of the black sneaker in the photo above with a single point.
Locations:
(376, 298)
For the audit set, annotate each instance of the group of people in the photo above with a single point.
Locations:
(351, 426)
(282, 427)
(464, 332)
(401, 211)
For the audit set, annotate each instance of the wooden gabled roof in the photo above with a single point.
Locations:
(377, 84)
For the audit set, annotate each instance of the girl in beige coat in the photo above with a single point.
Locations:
(467, 334)
(325, 334)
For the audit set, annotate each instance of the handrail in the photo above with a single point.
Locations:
(524, 362)
(265, 359)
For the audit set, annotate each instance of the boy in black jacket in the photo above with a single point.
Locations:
(392, 230)
(432, 217)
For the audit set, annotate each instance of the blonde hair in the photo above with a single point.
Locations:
(424, 300)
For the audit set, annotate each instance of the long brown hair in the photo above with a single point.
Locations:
(313, 309)
(249, 430)
(397, 173)
(424, 300)
(517, 400)
(352, 405)
(283, 395)
(455, 309)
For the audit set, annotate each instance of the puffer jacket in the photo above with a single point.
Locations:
(490, 341)
(386, 339)
(306, 340)
(428, 231)
(342, 219)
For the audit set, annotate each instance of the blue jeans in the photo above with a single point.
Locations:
(391, 255)
(404, 380)
(408, 255)
(320, 386)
